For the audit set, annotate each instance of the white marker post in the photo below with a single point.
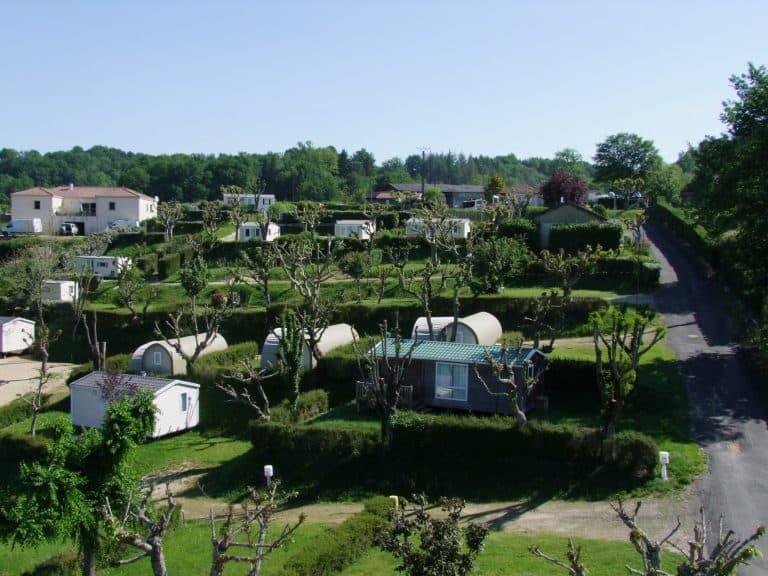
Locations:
(268, 473)
(664, 459)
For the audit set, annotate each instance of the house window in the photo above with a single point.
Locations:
(37, 204)
(247, 233)
(451, 381)
(111, 205)
(184, 400)
(102, 264)
(157, 358)
(89, 208)
(530, 370)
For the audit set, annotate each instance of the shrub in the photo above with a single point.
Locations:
(342, 545)
(16, 411)
(522, 227)
(168, 265)
(632, 452)
(64, 564)
(574, 237)
(148, 264)
(335, 442)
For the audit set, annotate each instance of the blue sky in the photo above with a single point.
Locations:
(482, 77)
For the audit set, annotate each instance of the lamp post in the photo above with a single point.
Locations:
(269, 471)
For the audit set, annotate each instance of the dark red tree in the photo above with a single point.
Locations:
(564, 185)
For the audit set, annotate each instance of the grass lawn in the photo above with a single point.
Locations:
(14, 561)
(506, 554)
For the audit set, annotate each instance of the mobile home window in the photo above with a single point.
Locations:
(37, 204)
(183, 401)
(157, 359)
(451, 381)
(529, 371)
(247, 233)
(111, 205)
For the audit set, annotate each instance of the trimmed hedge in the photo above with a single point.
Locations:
(168, 265)
(574, 237)
(338, 443)
(342, 545)
(148, 264)
(311, 404)
(521, 227)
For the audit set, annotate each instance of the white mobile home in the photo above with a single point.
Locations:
(362, 229)
(333, 337)
(252, 231)
(177, 401)
(456, 227)
(16, 334)
(104, 266)
(55, 291)
(478, 328)
(159, 357)
(259, 202)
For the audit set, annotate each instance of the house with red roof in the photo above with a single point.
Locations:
(91, 208)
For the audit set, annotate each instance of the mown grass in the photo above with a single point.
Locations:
(16, 560)
(506, 554)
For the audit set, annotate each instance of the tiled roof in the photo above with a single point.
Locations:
(83, 192)
(142, 382)
(438, 351)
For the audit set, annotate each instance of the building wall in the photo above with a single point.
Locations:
(170, 417)
(24, 207)
(16, 335)
(148, 362)
(87, 406)
(65, 291)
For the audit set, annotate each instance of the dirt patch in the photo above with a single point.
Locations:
(18, 375)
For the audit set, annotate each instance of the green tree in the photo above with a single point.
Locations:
(291, 352)
(497, 261)
(426, 546)
(169, 214)
(494, 188)
(355, 265)
(625, 156)
(60, 496)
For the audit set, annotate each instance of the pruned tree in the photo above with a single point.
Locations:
(635, 226)
(291, 352)
(519, 200)
(142, 527)
(373, 212)
(569, 268)
(399, 256)
(435, 224)
(355, 265)
(308, 266)
(540, 315)
(626, 187)
(426, 546)
(624, 338)
(135, 293)
(168, 215)
(573, 566)
(258, 261)
(503, 372)
(248, 531)
(236, 211)
(383, 369)
(212, 216)
(250, 377)
(310, 215)
(383, 273)
(564, 187)
(497, 261)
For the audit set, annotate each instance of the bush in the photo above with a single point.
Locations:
(16, 411)
(342, 545)
(334, 442)
(311, 404)
(168, 265)
(64, 564)
(521, 227)
(148, 264)
(632, 452)
(574, 237)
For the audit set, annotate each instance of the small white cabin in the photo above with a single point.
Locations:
(459, 227)
(104, 266)
(55, 291)
(333, 337)
(159, 357)
(361, 229)
(16, 334)
(252, 231)
(260, 202)
(177, 401)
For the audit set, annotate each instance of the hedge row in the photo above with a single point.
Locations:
(342, 545)
(574, 237)
(338, 443)
(695, 236)
(521, 227)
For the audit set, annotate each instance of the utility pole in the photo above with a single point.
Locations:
(423, 166)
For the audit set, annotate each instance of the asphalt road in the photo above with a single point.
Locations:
(729, 413)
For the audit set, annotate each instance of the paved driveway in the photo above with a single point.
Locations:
(18, 375)
(729, 414)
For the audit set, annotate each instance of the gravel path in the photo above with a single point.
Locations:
(18, 375)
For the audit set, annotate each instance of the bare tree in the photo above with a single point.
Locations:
(248, 376)
(383, 273)
(168, 215)
(258, 261)
(235, 206)
(518, 200)
(550, 303)
(148, 535)
(310, 215)
(135, 293)
(308, 266)
(212, 215)
(624, 339)
(399, 256)
(503, 372)
(460, 256)
(569, 268)
(383, 368)
(248, 532)
(373, 212)
(115, 386)
(574, 566)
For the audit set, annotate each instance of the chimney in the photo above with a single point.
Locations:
(71, 186)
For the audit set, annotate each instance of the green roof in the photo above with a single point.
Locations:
(439, 351)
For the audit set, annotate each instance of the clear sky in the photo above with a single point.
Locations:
(475, 77)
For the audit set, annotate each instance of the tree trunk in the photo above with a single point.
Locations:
(267, 299)
(89, 562)
(157, 558)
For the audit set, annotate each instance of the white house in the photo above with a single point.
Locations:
(252, 231)
(91, 208)
(104, 266)
(258, 202)
(177, 401)
(362, 229)
(458, 227)
(16, 334)
(159, 357)
(55, 291)
(334, 336)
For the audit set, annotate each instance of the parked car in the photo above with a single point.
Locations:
(68, 229)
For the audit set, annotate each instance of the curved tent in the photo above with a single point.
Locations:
(421, 327)
(334, 336)
(478, 328)
(159, 357)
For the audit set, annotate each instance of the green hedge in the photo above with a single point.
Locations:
(521, 227)
(337, 443)
(342, 545)
(675, 220)
(148, 264)
(311, 404)
(168, 265)
(16, 411)
(64, 564)
(574, 237)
